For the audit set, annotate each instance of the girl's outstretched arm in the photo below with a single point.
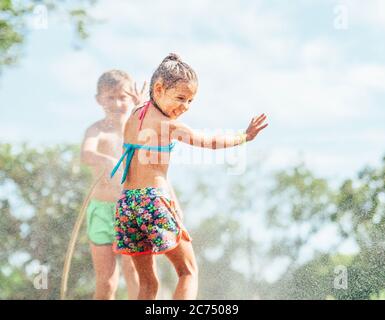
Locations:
(182, 132)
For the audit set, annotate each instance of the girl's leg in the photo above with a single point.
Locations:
(131, 277)
(148, 279)
(183, 259)
(106, 272)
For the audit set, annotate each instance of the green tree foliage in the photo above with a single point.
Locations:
(16, 18)
(50, 185)
(300, 205)
(362, 203)
(356, 208)
(218, 241)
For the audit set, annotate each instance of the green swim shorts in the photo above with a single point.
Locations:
(100, 222)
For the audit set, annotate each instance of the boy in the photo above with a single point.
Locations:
(101, 147)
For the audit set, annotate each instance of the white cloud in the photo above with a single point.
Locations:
(333, 163)
(368, 76)
(10, 133)
(321, 51)
(76, 71)
(373, 136)
(280, 157)
(368, 13)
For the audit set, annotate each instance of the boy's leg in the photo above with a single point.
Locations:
(100, 230)
(106, 271)
(183, 259)
(131, 277)
(148, 280)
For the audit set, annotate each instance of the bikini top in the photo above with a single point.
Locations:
(130, 148)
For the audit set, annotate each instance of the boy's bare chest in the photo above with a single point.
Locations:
(110, 144)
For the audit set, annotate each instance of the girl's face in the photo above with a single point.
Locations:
(176, 100)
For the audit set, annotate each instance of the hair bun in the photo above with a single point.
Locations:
(172, 57)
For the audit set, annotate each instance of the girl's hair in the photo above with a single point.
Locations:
(172, 70)
(111, 79)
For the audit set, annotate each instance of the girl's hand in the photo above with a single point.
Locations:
(255, 126)
(139, 97)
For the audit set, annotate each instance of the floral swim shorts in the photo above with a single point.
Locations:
(146, 222)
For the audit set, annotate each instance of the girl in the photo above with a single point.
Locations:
(146, 221)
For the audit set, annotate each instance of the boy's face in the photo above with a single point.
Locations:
(115, 100)
(176, 100)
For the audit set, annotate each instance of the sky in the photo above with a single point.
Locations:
(316, 68)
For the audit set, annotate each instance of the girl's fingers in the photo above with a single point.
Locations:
(263, 127)
(260, 121)
(255, 119)
(136, 89)
(258, 129)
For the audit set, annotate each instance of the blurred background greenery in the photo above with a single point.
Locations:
(15, 23)
(42, 191)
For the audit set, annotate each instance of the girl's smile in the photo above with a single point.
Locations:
(176, 100)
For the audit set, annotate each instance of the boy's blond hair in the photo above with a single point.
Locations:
(111, 79)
